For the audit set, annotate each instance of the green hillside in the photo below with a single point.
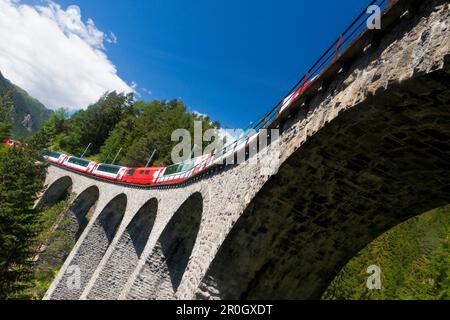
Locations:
(414, 259)
(28, 114)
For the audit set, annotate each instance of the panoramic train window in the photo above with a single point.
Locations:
(80, 162)
(180, 167)
(54, 154)
(173, 169)
(187, 166)
(108, 168)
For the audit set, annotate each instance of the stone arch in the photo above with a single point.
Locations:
(373, 167)
(57, 191)
(92, 248)
(161, 275)
(79, 210)
(126, 254)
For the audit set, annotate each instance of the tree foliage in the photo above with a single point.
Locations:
(6, 111)
(21, 178)
(54, 126)
(115, 123)
(90, 126)
(414, 258)
(150, 128)
(93, 125)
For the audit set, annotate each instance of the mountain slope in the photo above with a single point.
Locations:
(28, 114)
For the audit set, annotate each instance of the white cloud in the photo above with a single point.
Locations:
(55, 56)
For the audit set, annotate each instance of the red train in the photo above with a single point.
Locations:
(79, 164)
(144, 176)
(10, 143)
(136, 176)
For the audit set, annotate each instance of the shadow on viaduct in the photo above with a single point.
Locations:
(367, 152)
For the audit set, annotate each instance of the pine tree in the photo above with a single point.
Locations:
(94, 124)
(21, 178)
(6, 110)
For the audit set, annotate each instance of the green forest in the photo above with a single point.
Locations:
(21, 179)
(116, 123)
(414, 256)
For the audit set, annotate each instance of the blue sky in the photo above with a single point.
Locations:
(232, 60)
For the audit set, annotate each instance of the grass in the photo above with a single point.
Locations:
(414, 258)
(53, 246)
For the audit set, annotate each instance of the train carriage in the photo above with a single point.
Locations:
(182, 171)
(54, 157)
(10, 143)
(109, 171)
(293, 96)
(79, 164)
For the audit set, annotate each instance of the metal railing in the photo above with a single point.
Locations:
(352, 32)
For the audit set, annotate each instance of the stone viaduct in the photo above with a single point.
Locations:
(368, 148)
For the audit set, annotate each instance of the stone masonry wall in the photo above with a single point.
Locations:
(126, 254)
(164, 268)
(93, 247)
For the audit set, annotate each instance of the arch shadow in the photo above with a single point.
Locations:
(125, 257)
(57, 191)
(161, 275)
(79, 210)
(92, 249)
